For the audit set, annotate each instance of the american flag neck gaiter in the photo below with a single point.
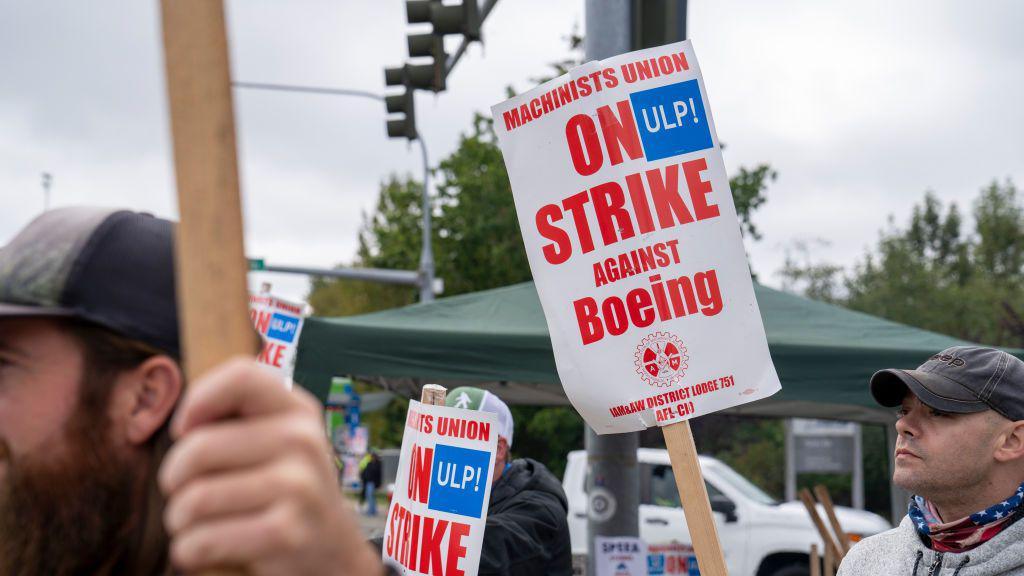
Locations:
(966, 533)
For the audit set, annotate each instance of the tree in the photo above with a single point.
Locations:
(388, 238)
(931, 275)
(479, 245)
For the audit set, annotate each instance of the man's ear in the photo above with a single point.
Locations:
(147, 397)
(1012, 446)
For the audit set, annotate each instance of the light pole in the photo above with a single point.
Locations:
(47, 181)
(425, 278)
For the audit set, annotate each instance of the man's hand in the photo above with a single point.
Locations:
(250, 482)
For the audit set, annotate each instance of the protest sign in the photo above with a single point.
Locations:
(279, 324)
(620, 556)
(435, 524)
(632, 237)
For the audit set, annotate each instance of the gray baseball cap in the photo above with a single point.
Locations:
(961, 380)
(114, 268)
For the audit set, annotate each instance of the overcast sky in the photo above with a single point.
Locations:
(860, 106)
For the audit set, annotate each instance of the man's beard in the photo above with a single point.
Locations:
(67, 513)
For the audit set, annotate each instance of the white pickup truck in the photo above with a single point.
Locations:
(760, 536)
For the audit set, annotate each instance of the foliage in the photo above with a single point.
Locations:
(931, 275)
(479, 246)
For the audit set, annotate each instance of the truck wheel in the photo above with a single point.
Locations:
(793, 570)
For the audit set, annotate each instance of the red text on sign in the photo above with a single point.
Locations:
(663, 301)
(416, 542)
(419, 473)
(618, 219)
(272, 353)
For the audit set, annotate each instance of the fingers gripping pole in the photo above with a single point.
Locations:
(694, 496)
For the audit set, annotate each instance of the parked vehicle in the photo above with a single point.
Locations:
(760, 536)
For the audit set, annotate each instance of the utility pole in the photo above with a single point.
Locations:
(613, 484)
(611, 458)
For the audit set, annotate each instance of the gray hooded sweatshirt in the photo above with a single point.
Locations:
(900, 552)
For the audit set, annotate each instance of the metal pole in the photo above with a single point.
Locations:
(858, 468)
(384, 276)
(427, 253)
(790, 461)
(426, 272)
(452, 60)
(613, 484)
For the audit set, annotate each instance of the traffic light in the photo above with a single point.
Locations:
(462, 18)
(400, 104)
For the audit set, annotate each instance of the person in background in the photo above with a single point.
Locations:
(527, 530)
(960, 450)
(371, 479)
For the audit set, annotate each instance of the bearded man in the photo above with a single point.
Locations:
(92, 396)
(960, 450)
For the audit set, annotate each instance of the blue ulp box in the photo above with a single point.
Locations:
(671, 120)
(282, 327)
(459, 480)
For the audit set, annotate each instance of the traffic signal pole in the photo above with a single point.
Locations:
(424, 278)
(452, 60)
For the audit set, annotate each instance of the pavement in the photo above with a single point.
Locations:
(372, 525)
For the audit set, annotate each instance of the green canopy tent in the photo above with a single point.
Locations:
(498, 339)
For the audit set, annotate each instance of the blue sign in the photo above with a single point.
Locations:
(671, 120)
(459, 480)
(352, 415)
(283, 327)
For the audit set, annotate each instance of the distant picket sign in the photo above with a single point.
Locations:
(435, 524)
(632, 237)
(279, 323)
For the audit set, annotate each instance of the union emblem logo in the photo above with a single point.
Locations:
(661, 359)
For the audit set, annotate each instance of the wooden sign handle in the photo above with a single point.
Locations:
(694, 496)
(211, 266)
(433, 394)
(815, 560)
(843, 540)
(830, 544)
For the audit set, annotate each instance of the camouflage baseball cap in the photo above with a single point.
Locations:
(472, 398)
(114, 268)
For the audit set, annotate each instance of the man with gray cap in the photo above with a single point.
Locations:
(960, 451)
(527, 532)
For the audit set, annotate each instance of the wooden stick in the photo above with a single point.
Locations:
(815, 561)
(812, 510)
(830, 561)
(694, 496)
(830, 511)
(433, 394)
(211, 266)
(212, 293)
